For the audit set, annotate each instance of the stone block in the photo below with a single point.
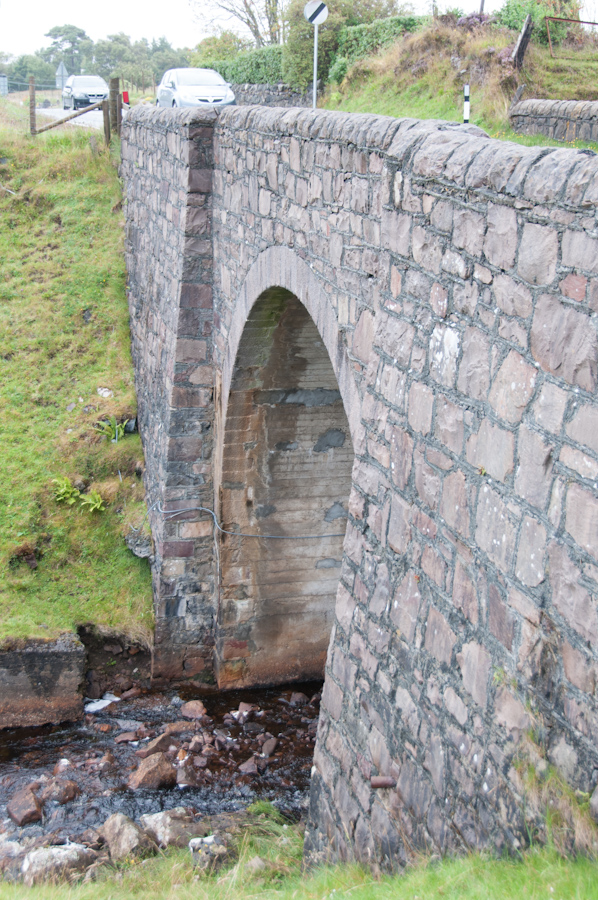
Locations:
(439, 300)
(421, 404)
(449, 425)
(511, 714)
(405, 606)
(474, 368)
(495, 528)
(469, 229)
(583, 427)
(440, 638)
(533, 476)
(464, 593)
(512, 297)
(581, 463)
(492, 449)
(444, 350)
(574, 287)
(538, 254)
(512, 388)
(582, 518)
(530, 557)
(475, 664)
(500, 619)
(564, 342)
(455, 705)
(580, 251)
(549, 408)
(580, 669)
(454, 506)
(500, 244)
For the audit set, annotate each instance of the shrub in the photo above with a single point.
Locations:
(357, 41)
(338, 69)
(260, 66)
(513, 13)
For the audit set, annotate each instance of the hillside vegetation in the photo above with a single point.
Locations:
(67, 494)
(422, 76)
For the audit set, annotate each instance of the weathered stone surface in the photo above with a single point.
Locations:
(500, 245)
(194, 709)
(582, 518)
(533, 476)
(158, 745)
(513, 297)
(538, 254)
(564, 342)
(125, 838)
(475, 665)
(474, 369)
(495, 531)
(568, 596)
(41, 683)
(440, 638)
(530, 556)
(444, 349)
(512, 388)
(56, 863)
(491, 449)
(154, 772)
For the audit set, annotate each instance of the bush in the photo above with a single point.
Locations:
(357, 41)
(513, 13)
(338, 69)
(260, 66)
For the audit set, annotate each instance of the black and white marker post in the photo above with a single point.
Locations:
(316, 13)
(466, 104)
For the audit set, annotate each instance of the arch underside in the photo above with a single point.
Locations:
(286, 471)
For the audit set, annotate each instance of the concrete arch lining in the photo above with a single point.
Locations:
(282, 267)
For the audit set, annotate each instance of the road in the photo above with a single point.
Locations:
(93, 119)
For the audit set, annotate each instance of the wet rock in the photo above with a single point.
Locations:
(158, 745)
(131, 694)
(188, 776)
(126, 737)
(298, 699)
(52, 863)
(252, 728)
(61, 766)
(197, 744)
(60, 790)
(269, 746)
(125, 838)
(173, 828)
(24, 807)
(194, 709)
(178, 727)
(210, 853)
(154, 772)
(9, 852)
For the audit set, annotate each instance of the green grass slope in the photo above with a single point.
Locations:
(422, 76)
(64, 334)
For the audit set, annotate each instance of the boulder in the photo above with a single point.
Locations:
(298, 699)
(172, 828)
(125, 838)
(61, 790)
(154, 772)
(249, 767)
(52, 863)
(24, 807)
(194, 709)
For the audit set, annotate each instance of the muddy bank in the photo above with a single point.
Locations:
(147, 754)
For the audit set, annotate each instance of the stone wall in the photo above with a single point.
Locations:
(280, 95)
(454, 283)
(563, 120)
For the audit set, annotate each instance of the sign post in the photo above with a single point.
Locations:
(316, 14)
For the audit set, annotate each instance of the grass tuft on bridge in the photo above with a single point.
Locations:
(64, 334)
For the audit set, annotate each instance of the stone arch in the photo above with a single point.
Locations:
(282, 267)
(286, 450)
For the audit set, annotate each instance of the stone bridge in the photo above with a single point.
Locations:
(368, 346)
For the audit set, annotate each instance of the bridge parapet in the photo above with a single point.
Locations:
(454, 282)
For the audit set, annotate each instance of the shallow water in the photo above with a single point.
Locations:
(101, 767)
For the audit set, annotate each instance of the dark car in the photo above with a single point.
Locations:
(83, 90)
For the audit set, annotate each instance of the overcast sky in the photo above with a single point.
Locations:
(23, 23)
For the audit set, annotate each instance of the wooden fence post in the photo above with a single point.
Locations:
(32, 124)
(114, 105)
(106, 114)
(119, 113)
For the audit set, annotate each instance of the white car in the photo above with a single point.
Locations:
(194, 87)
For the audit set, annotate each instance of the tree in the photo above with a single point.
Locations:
(70, 45)
(263, 19)
(298, 51)
(26, 66)
(225, 45)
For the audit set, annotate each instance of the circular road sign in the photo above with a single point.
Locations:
(315, 12)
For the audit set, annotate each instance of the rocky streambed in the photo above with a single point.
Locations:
(153, 753)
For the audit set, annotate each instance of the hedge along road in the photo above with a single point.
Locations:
(93, 119)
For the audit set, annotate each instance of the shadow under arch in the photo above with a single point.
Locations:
(287, 456)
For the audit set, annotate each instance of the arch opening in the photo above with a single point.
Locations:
(286, 471)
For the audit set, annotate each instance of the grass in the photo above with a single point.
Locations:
(422, 76)
(535, 875)
(64, 334)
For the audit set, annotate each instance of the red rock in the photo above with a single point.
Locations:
(61, 790)
(158, 745)
(269, 746)
(382, 781)
(194, 709)
(178, 727)
(131, 694)
(126, 737)
(154, 772)
(298, 699)
(24, 807)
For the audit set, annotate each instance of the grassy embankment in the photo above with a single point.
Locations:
(537, 875)
(422, 76)
(64, 334)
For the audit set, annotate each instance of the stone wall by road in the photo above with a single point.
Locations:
(563, 120)
(454, 283)
(280, 95)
